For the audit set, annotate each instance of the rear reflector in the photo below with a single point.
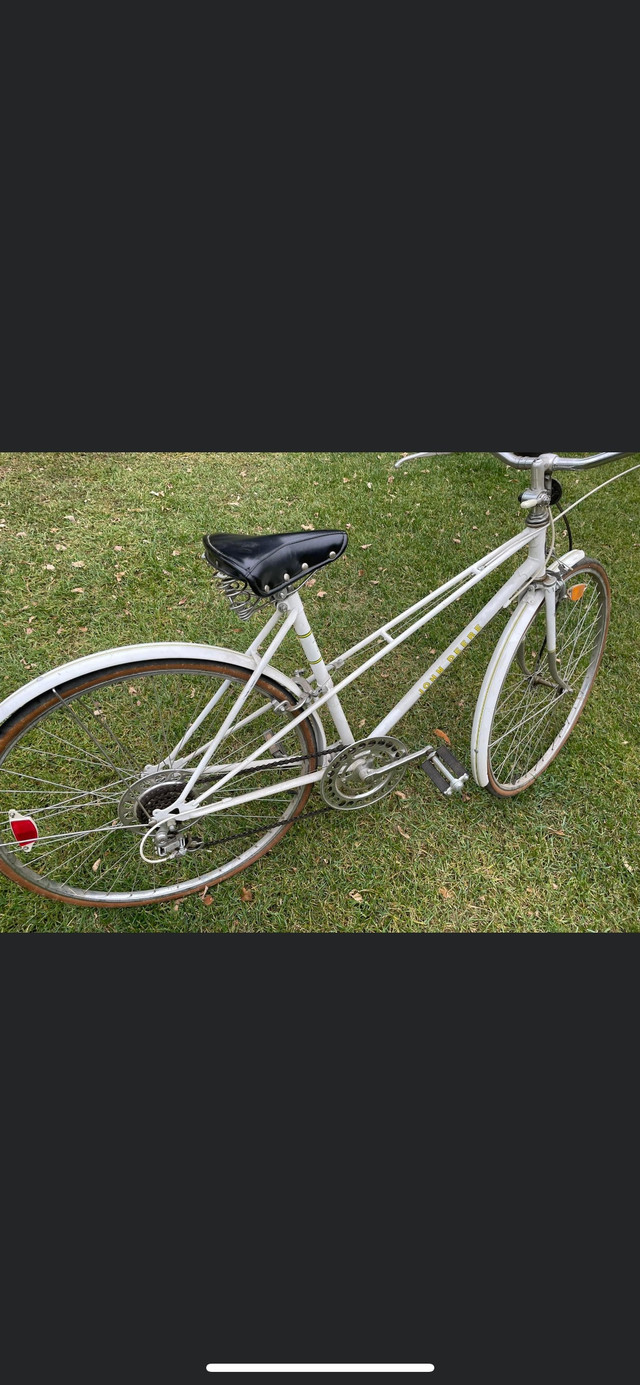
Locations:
(576, 592)
(24, 829)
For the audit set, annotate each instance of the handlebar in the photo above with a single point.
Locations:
(552, 462)
(560, 463)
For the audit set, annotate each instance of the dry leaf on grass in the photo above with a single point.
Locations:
(78, 589)
(406, 835)
(366, 545)
(321, 594)
(61, 547)
(96, 864)
(312, 582)
(398, 792)
(443, 736)
(119, 576)
(556, 831)
(308, 526)
(246, 895)
(49, 567)
(207, 898)
(79, 563)
(358, 899)
(446, 894)
(176, 552)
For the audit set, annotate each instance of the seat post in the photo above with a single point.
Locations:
(318, 667)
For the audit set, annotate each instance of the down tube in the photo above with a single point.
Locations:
(533, 567)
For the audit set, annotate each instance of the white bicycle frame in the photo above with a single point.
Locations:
(291, 615)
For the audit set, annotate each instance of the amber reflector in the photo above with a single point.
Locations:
(577, 592)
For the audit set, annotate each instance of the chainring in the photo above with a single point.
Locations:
(344, 785)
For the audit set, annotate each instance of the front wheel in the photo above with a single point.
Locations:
(89, 761)
(525, 717)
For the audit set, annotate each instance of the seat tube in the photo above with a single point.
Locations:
(318, 667)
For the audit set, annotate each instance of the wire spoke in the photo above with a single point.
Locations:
(532, 719)
(79, 817)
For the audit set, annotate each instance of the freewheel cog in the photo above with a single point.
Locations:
(159, 790)
(345, 784)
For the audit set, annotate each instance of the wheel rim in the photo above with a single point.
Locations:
(533, 717)
(75, 763)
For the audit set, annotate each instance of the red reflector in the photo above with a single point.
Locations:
(23, 828)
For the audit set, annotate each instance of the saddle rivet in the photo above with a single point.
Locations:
(305, 567)
(332, 553)
(286, 577)
(267, 589)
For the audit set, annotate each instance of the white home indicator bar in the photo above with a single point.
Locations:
(389, 1370)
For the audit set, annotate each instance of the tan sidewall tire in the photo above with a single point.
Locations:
(587, 565)
(33, 710)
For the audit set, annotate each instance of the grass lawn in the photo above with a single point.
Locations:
(563, 857)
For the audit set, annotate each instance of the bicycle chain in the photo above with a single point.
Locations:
(267, 827)
(284, 822)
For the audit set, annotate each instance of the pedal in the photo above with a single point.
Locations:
(435, 776)
(445, 771)
(451, 763)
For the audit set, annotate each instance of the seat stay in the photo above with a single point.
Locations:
(237, 707)
(237, 726)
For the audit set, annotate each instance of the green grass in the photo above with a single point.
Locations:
(561, 858)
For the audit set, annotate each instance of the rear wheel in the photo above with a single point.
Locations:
(83, 762)
(533, 716)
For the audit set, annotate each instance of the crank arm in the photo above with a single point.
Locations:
(395, 764)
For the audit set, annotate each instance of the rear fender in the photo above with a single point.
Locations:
(132, 653)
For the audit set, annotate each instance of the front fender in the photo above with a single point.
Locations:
(131, 653)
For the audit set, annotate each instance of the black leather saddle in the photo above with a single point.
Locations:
(270, 562)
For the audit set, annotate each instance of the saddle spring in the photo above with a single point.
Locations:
(242, 601)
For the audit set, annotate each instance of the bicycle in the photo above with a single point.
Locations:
(104, 803)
